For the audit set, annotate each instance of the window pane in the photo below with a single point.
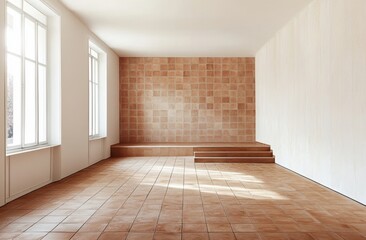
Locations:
(13, 31)
(14, 100)
(42, 45)
(42, 103)
(96, 114)
(94, 93)
(96, 97)
(90, 108)
(94, 109)
(30, 39)
(30, 103)
(26, 46)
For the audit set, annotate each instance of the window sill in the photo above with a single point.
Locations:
(97, 138)
(27, 150)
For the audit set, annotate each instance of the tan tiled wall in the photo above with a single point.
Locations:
(187, 100)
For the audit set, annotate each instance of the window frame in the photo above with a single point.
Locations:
(24, 16)
(101, 73)
(94, 93)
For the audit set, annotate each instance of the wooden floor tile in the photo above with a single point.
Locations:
(175, 198)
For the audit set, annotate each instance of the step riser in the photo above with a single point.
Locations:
(218, 149)
(234, 160)
(241, 154)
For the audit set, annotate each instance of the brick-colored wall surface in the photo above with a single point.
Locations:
(187, 100)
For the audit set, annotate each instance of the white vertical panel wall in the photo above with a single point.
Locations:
(27, 172)
(73, 153)
(311, 95)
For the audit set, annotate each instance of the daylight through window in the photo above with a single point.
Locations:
(26, 61)
(94, 87)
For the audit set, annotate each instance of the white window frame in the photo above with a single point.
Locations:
(97, 94)
(26, 16)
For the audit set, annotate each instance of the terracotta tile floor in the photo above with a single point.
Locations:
(173, 198)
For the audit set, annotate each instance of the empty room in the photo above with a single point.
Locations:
(183, 120)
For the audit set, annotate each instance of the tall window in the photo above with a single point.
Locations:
(97, 91)
(26, 54)
(94, 88)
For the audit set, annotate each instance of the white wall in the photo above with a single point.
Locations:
(310, 93)
(73, 153)
(74, 106)
(27, 172)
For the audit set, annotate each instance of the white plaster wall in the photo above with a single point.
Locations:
(73, 153)
(74, 94)
(310, 95)
(75, 145)
(96, 150)
(112, 103)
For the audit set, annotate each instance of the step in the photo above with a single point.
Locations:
(183, 149)
(234, 159)
(233, 154)
(220, 149)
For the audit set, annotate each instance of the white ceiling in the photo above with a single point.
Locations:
(192, 28)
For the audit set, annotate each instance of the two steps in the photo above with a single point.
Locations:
(247, 154)
(250, 152)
